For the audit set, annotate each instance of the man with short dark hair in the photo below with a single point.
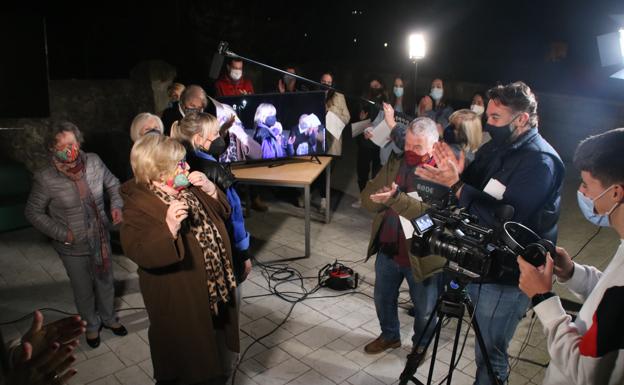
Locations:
(517, 168)
(590, 349)
(233, 83)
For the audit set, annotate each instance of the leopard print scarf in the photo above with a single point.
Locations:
(219, 272)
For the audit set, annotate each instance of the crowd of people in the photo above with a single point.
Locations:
(182, 222)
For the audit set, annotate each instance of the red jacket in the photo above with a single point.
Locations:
(227, 87)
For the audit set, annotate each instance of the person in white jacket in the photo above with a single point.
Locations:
(589, 350)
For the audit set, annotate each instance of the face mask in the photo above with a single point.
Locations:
(398, 91)
(153, 131)
(449, 134)
(236, 74)
(412, 159)
(180, 180)
(288, 79)
(436, 93)
(68, 154)
(587, 208)
(501, 134)
(270, 120)
(216, 148)
(276, 130)
(375, 91)
(477, 109)
(191, 110)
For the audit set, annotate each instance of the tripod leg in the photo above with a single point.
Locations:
(435, 348)
(479, 337)
(454, 353)
(414, 358)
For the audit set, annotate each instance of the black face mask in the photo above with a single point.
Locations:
(449, 134)
(153, 131)
(217, 147)
(501, 134)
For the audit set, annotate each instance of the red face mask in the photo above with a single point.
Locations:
(412, 159)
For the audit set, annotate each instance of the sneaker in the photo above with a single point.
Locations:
(323, 205)
(357, 204)
(259, 205)
(379, 345)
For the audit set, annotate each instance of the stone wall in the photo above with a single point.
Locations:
(100, 108)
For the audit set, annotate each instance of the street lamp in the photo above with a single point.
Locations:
(417, 49)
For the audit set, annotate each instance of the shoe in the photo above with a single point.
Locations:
(357, 204)
(94, 342)
(118, 331)
(379, 345)
(258, 205)
(323, 205)
(300, 201)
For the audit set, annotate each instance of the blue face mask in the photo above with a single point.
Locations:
(587, 208)
(270, 120)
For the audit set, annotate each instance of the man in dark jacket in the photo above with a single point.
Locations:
(516, 168)
(193, 99)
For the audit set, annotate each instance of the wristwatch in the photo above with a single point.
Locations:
(538, 298)
(456, 186)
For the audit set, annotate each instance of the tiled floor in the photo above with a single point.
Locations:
(321, 342)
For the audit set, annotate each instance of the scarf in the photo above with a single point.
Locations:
(98, 237)
(391, 237)
(220, 278)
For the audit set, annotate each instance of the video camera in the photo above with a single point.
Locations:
(472, 249)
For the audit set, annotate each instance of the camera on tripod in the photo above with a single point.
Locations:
(472, 249)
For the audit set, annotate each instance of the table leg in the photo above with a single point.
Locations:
(327, 193)
(306, 198)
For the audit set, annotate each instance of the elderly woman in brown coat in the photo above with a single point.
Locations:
(173, 229)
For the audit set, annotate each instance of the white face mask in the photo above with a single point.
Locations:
(236, 74)
(398, 91)
(477, 109)
(436, 93)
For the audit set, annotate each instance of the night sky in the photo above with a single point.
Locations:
(474, 41)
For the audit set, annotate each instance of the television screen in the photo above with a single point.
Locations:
(273, 126)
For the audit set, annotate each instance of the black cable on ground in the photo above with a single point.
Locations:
(51, 309)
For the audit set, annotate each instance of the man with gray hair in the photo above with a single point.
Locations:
(388, 196)
(193, 99)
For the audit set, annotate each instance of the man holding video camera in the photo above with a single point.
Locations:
(517, 168)
(589, 350)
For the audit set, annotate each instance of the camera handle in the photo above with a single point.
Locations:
(453, 303)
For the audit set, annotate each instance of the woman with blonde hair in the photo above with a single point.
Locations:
(145, 123)
(173, 230)
(199, 133)
(464, 133)
(268, 132)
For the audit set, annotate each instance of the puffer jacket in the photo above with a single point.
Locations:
(54, 205)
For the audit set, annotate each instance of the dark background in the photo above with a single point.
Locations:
(468, 40)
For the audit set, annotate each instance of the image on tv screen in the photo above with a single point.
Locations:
(273, 126)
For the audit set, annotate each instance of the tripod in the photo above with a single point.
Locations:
(453, 303)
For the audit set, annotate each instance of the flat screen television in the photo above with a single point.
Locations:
(270, 127)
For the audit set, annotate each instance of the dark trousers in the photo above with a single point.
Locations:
(368, 162)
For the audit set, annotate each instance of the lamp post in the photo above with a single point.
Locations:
(417, 50)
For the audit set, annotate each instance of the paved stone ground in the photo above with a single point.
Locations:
(322, 341)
